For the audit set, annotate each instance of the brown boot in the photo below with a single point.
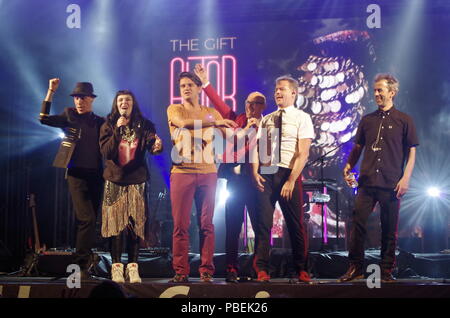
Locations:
(353, 272)
(386, 276)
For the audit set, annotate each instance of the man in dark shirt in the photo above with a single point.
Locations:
(80, 154)
(389, 139)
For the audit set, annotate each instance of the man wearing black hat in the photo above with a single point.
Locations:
(80, 154)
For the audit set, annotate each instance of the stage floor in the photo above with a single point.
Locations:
(50, 287)
(418, 276)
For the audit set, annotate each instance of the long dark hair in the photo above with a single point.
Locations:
(135, 117)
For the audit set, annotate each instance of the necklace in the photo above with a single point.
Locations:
(129, 135)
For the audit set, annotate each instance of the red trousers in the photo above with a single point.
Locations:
(184, 188)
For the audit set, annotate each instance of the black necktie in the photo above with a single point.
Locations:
(279, 125)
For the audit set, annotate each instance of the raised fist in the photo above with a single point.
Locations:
(53, 84)
(201, 73)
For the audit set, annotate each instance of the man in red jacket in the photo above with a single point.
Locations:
(237, 171)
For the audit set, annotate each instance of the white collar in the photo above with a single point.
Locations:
(286, 109)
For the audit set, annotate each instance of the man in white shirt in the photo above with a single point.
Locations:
(288, 153)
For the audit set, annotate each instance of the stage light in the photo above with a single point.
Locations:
(404, 42)
(434, 192)
(61, 135)
(224, 195)
(422, 204)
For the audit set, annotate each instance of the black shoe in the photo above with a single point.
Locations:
(353, 272)
(231, 277)
(386, 277)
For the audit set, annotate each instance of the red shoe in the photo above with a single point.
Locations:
(263, 277)
(303, 277)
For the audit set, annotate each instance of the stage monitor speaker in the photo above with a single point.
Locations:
(54, 264)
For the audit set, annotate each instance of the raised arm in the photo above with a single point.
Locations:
(53, 85)
(219, 104)
(44, 117)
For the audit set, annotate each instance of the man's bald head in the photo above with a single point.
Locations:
(255, 105)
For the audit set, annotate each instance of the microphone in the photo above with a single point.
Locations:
(122, 128)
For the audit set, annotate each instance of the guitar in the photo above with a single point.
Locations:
(37, 244)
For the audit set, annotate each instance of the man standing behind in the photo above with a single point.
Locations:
(80, 154)
(237, 171)
(295, 134)
(388, 137)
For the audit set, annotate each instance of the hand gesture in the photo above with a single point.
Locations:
(122, 121)
(225, 123)
(201, 73)
(259, 180)
(402, 187)
(157, 146)
(53, 84)
(288, 188)
(252, 122)
(348, 178)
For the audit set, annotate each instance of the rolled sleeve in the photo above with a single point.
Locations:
(306, 127)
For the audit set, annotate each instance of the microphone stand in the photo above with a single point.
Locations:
(321, 159)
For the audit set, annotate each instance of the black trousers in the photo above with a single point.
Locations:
(242, 194)
(293, 214)
(365, 202)
(86, 192)
(132, 246)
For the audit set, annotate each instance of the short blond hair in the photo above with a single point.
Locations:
(391, 81)
(293, 83)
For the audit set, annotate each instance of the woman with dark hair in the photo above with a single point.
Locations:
(125, 138)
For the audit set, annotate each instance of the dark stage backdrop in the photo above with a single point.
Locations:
(334, 48)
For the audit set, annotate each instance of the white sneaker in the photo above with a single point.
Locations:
(117, 273)
(132, 273)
